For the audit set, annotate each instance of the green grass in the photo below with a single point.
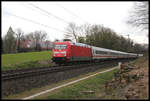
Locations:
(74, 91)
(24, 59)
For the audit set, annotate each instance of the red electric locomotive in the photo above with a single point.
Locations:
(70, 52)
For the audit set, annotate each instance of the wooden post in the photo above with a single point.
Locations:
(119, 65)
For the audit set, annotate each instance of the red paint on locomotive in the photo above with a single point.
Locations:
(68, 52)
(81, 51)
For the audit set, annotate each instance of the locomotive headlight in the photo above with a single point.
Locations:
(56, 52)
(64, 52)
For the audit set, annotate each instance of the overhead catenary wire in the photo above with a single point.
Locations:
(72, 13)
(49, 13)
(35, 10)
(35, 22)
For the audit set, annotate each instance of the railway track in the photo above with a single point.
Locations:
(16, 74)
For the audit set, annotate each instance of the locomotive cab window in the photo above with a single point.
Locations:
(60, 47)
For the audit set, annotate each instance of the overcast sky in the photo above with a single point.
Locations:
(109, 14)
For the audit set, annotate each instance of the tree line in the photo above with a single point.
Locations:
(12, 40)
(100, 36)
(95, 35)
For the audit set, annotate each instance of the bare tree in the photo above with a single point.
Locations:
(140, 15)
(84, 30)
(47, 42)
(40, 35)
(19, 35)
(31, 37)
(37, 37)
(71, 31)
(75, 32)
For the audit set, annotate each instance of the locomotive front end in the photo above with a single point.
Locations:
(60, 52)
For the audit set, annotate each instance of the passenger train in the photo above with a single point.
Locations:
(66, 52)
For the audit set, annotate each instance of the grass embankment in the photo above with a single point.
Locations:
(80, 90)
(25, 60)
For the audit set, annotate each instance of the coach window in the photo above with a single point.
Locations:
(113, 53)
(101, 52)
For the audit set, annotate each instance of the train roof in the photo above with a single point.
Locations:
(103, 49)
(114, 51)
(73, 43)
(81, 44)
(109, 50)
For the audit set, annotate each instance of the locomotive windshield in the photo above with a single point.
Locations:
(60, 46)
